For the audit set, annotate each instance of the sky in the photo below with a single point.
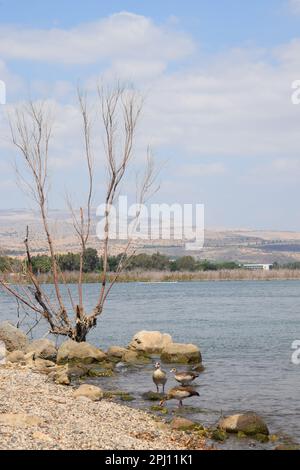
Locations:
(217, 79)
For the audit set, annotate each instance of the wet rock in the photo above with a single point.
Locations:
(181, 354)
(161, 409)
(198, 368)
(150, 342)
(100, 371)
(13, 337)
(43, 348)
(73, 352)
(116, 352)
(182, 424)
(249, 423)
(15, 357)
(134, 357)
(153, 396)
(89, 391)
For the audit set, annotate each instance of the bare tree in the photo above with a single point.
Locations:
(31, 131)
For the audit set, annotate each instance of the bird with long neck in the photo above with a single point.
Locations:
(180, 394)
(159, 377)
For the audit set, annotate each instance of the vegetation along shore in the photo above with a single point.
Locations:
(142, 268)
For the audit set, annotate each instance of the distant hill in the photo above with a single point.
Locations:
(242, 245)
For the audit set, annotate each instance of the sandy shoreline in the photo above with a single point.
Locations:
(38, 414)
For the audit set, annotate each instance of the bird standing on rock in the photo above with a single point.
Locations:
(184, 378)
(180, 394)
(159, 377)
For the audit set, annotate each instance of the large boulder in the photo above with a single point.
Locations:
(247, 423)
(43, 348)
(89, 391)
(181, 353)
(84, 353)
(150, 342)
(13, 338)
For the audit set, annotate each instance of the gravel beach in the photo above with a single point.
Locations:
(35, 413)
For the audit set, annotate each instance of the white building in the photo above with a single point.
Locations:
(265, 267)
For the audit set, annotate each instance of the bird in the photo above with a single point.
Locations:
(180, 394)
(184, 378)
(159, 377)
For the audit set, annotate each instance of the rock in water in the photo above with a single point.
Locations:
(181, 354)
(43, 348)
(73, 352)
(248, 423)
(150, 342)
(182, 424)
(13, 338)
(116, 352)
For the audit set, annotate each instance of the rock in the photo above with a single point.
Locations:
(134, 357)
(182, 424)
(21, 420)
(62, 379)
(43, 348)
(181, 353)
(15, 356)
(150, 342)
(161, 409)
(3, 353)
(13, 338)
(76, 371)
(116, 352)
(153, 396)
(60, 376)
(89, 391)
(98, 370)
(73, 352)
(198, 368)
(42, 365)
(248, 423)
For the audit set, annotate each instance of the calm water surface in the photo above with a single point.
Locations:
(244, 330)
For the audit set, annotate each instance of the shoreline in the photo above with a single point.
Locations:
(170, 277)
(41, 415)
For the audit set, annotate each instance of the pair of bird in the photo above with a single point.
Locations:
(176, 393)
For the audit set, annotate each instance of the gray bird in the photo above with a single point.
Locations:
(184, 378)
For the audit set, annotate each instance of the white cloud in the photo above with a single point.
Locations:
(118, 36)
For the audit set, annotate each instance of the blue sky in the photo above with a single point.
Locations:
(217, 76)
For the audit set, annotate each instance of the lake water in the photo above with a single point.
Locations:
(244, 330)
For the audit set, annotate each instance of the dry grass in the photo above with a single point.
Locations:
(167, 276)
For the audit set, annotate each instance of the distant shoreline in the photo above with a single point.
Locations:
(168, 276)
